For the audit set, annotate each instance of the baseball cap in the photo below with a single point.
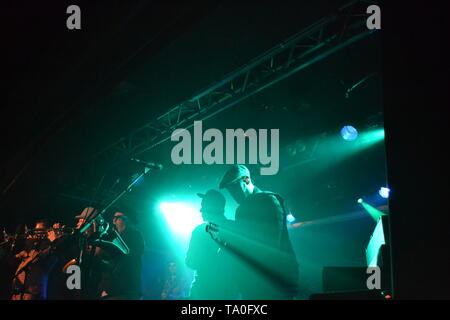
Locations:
(120, 215)
(234, 173)
(213, 198)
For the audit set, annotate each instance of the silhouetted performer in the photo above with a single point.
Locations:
(213, 279)
(123, 279)
(267, 267)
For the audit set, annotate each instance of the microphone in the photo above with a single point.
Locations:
(149, 165)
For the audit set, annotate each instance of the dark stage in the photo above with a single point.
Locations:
(136, 107)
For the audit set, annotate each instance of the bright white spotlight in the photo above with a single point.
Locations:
(384, 192)
(181, 217)
(290, 218)
(349, 133)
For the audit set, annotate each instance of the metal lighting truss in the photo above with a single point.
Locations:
(332, 33)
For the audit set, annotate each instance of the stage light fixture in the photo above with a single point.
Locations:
(384, 192)
(290, 218)
(349, 133)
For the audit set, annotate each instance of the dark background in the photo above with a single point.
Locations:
(415, 60)
(68, 94)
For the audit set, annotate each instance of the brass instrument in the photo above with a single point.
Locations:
(110, 236)
(63, 231)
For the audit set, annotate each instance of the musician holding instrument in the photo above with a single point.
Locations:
(83, 250)
(75, 248)
(123, 279)
(91, 250)
(90, 254)
(35, 263)
(211, 263)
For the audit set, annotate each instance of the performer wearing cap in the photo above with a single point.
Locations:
(82, 251)
(213, 279)
(267, 267)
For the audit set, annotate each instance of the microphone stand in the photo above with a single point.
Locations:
(87, 224)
